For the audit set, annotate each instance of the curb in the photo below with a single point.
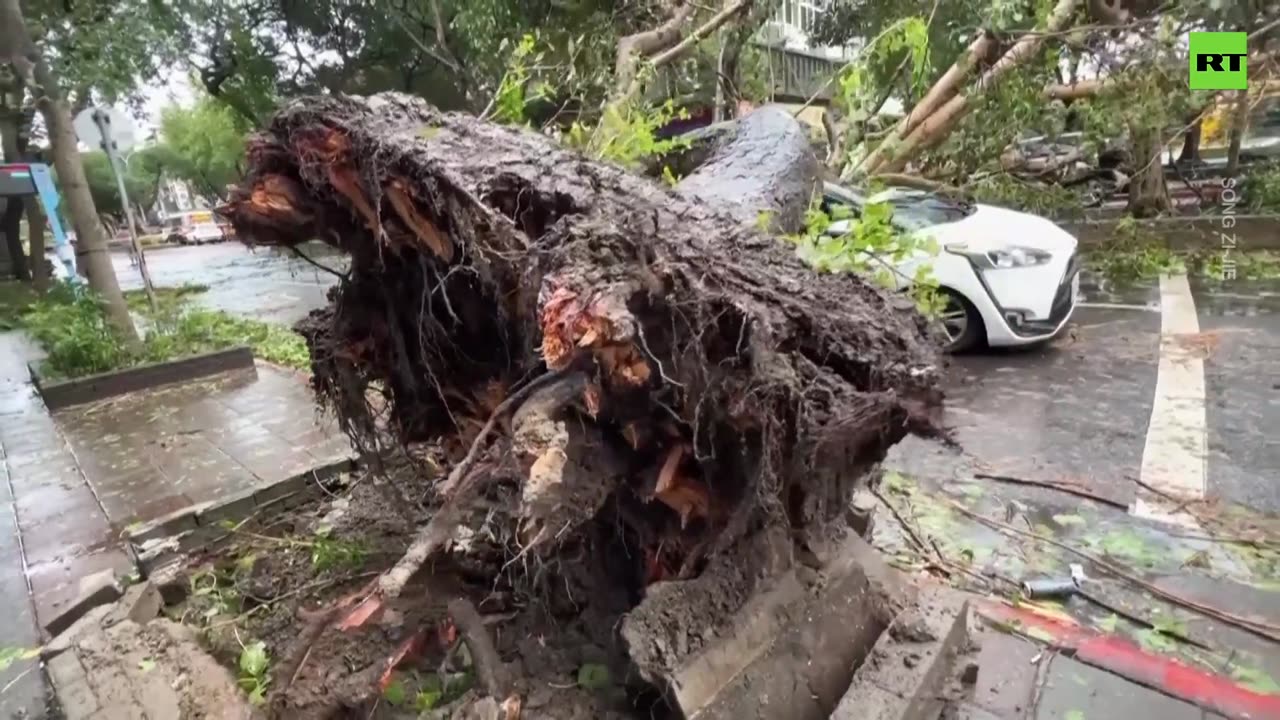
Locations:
(1211, 691)
(58, 394)
(164, 540)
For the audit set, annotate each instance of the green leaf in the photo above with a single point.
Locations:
(427, 700)
(394, 694)
(593, 676)
(1108, 624)
(1074, 715)
(1156, 642)
(1170, 626)
(146, 665)
(10, 655)
(254, 660)
(1256, 680)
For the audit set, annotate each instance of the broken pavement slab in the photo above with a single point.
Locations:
(789, 653)
(905, 674)
(96, 590)
(151, 670)
(120, 661)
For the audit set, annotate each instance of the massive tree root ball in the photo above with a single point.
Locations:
(650, 377)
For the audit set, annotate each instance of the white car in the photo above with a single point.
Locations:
(1010, 278)
(197, 227)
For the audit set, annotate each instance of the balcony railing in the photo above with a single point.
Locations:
(796, 75)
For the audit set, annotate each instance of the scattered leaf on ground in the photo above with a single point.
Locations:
(10, 655)
(593, 676)
(253, 659)
(1068, 519)
(1155, 641)
(1074, 715)
(147, 665)
(1108, 624)
(1256, 680)
(394, 694)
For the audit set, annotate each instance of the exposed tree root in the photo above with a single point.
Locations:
(697, 384)
(490, 670)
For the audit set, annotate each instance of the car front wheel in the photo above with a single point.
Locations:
(961, 323)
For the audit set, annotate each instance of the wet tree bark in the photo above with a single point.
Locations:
(1190, 152)
(1148, 191)
(11, 219)
(1239, 119)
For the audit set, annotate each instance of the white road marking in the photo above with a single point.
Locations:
(1175, 457)
(1118, 306)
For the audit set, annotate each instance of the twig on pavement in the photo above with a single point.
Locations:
(1069, 488)
(906, 526)
(1138, 620)
(1259, 628)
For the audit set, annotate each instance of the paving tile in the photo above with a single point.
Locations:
(56, 584)
(1073, 687)
(1006, 674)
(129, 507)
(39, 504)
(18, 626)
(65, 534)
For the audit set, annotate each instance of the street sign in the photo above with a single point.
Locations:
(120, 126)
(113, 131)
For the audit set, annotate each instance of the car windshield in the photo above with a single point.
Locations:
(912, 209)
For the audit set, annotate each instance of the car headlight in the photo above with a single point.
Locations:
(1011, 256)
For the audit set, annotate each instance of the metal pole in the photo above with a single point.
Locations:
(109, 147)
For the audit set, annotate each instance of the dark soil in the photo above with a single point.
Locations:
(269, 586)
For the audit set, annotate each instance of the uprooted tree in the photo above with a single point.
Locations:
(614, 365)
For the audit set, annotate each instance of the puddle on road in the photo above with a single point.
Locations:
(1238, 573)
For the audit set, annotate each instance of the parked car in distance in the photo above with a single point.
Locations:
(1010, 278)
(194, 228)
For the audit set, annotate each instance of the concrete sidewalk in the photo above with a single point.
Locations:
(77, 479)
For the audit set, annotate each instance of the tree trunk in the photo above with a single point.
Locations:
(15, 42)
(1148, 192)
(11, 226)
(35, 242)
(697, 384)
(1239, 121)
(1190, 152)
(733, 37)
(11, 220)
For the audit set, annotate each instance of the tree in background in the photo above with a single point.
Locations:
(997, 71)
(18, 48)
(203, 145)
(143, 170)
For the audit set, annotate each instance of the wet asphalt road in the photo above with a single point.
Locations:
(265, 284)
(1077, 409)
